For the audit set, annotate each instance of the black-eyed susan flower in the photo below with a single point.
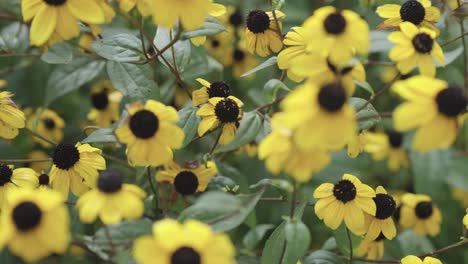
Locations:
(194, 177)
(321, 71)
(39, 166)
(220, 46)
(44, 180)
(215, 10)
(415, 47)
(109, 14)
(48, 124)
(296, 40)
(416, 260)
(191, 242)
(151, 133)
(419, 212)
(210, 90)
(465, 219)
(387, 146)
(356, 145)
(11, 118)
(75, 168)
(233, 20)
(11, 178)
(105, 102)
(242, 61)
(320, 116)
(371, 249)
(85, 43)
(60, 16)
(391, 73)
(342, 34)
(250, 149)
(282, 154)
(34, 224)
(346, 200)
(112, 200)
(226, 112)
(418, 12)
(166, 13)
(143, 6)
(433, 107)
(262, 33)
(382, 223)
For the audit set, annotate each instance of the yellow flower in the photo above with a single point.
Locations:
(39, 166)
(415, 46)
(143, 6)
(387, 145)
(76, 168)
(233, 21)
(460, 195)
(112, 200)
(151, 133)
(433, 107)
(34, 224)
(465, 219)
(419, 212)
(191, 242)
(220, 46)
(262, 33)
(348, 199)
(105, 101)
(48, 124)
(416, 260)
(15, 178)
(281, 154)
(242, 61)
(221, 111)
(342, 34)
(321, 71)
(250, 149)
(181, 96)
(60, 16)
(382, 223)
(320, 116)
(11, 118)
(109, 14)
(3, 83)
(210, 90)
(356, 145)
(454, 4)
(389, 74)
(189, 180)
(296, 40)
(191, 15)
(215, 10)
(373, 249)
(85, 43)
(417, 12)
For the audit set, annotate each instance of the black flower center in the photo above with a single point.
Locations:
(5, 174)
(258, 21)
(227, 110)
(219, 89)
(336, 71)
(185, 255)
(26, 216)
(332, 97)
(55, 2)
(385, 204)
(451, 101)
(395, 139)
(335, 23)
(65, 156)
(49, 123)
(186, 182)
(236, 19)
(344, 191)
(412, 11)
(215, 43)
(397, 213)
(100, 100)
(110, 181)
(423, 43)
(44, 179)
(380, 237)
(238, 55)
(423, 210)
(144, 124)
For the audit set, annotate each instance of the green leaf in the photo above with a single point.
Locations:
(255, 236)
(412, 244)
(188, 121)
(181, 49)
(221, 210)
(102, 135)
(427, 171)
(71, 76)
(248, 129)
(274, 245)
(457, 175)
(379, 41)
(298, 240)
(368, 116)
(278, 4)
(366, 86)
(272, 87)
(270, 62)
(211, 27)
(451, 56)
(14, 38)
(60, 53)
(219, 182)
(126, 230)
(322, 257)
(342, 240)
(135, 81)
(280, 184)
(120, 47)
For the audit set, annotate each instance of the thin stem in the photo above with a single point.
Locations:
(117, 160)
(291, 216)
(379, 93)
(380, 115)
(216, 142)
(453, 40)
(465, 58)
(23, 160)
(109, 240)
(267, 105)
(350, 241)
(12, 55)
(150, 180)
(41, 137)
(281, 199)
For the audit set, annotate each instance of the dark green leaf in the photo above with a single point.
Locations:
(379, 41)
(457, 175)
(368, 116)
(412, 244)
(298, 240)
(180, 51)
(342, 240)
(255, 236)
(14, 38)
(211, 27)
(322, 257)
(270, 62)
(451, 56)
(120, 47)
(248, 129)
(135, 81)
(280, 184)
(188, 122)
(429, 168)
(60, 53)
(272, 87)
(102, 135)
(366, 86)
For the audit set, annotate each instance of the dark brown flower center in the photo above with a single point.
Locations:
(55, 2)
(395, 139)
(423, 210)
(49, 123)
(423, 43)
(385, 204)
(215, 43)
(110, 181)
(332, 97)
(451, 101)
(144, 124)
(65, 156)
(412, 11)
(186, 183)
(100, 100)
(44, 179)
(5, 174)
(26, 216)
(185, 255)
(335, 23)
(227, 110)
(238, 55)
(236, 19)
(219, 89)
(344, 191)
(258, 21)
